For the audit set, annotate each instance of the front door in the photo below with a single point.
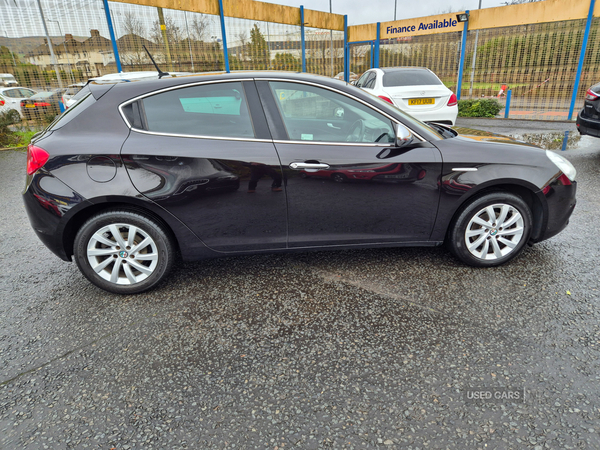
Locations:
(346, 183)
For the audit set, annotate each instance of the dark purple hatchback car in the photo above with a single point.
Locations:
(136, 174)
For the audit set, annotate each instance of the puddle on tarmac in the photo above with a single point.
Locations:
(568, 140)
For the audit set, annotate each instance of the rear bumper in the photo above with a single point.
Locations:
(446, 115)
(48, 203)
(587, 125)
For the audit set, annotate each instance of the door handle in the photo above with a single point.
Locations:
(302, 166)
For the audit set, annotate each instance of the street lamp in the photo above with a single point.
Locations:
(52, 56)
(65, 47)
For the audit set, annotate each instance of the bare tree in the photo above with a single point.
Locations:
(133, 25)
(200, 27)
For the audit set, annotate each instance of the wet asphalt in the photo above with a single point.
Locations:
(342, 350)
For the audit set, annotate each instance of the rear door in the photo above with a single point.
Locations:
(204, 153)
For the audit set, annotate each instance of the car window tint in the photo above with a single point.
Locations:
(315, 114)
(370, 83)
(26, 93)
(363, 78)
(205, 110)
(410, 77)
(11, 93)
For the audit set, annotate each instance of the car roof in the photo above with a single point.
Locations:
(401, 69)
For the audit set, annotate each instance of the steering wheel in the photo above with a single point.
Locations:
(357, 131)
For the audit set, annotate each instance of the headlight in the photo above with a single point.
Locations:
(563, 164)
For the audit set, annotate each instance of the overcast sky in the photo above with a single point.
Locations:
(21, 17)
(370, 11)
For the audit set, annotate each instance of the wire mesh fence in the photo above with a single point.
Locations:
(538, 62)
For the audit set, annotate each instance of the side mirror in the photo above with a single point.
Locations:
(403, 135)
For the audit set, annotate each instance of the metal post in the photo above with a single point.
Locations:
(52, 56)
(462, 58)
(224, 36)
(581, 58)
(376, 60)
(346, 51)
(302, 38)
(65, 48)
(474, 59)
(331, 42)
(112, 36)
(507, 107)
(163, 30)
(189, 39)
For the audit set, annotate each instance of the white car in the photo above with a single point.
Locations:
(67, 98)
(12, 97)
(415, 90)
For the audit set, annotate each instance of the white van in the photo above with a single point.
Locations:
(8, 80)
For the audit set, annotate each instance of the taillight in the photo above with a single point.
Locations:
(387, 99)
(453, 100)
(41, 104)
(36, 158)
(589, 95)
(2, 102)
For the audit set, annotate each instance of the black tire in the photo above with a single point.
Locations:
(338, 177)
(503, 242)
(135, 269)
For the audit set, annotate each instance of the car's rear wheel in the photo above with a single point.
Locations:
(13, 116)
(491, 230)
(123, 252)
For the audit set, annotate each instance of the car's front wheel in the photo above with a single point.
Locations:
(123, 252)
(491, 230)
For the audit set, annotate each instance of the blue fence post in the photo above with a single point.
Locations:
(581, 58)
(224, 36)
(112, 36)
(376, 60)
(346, 51)
(507, 107)
(463, 46)
(302, 38)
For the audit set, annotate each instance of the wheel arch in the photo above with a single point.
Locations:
(117, 203)
(526, 192)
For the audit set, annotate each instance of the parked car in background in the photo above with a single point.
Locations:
(42, 104)
(8, 80)
(136, 173)
(72, 90)
(340, 76)
(415, 90)
(5, 108)
(13, 96)
(588, 119)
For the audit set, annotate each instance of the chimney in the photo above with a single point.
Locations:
(94, 33)
(68, 37)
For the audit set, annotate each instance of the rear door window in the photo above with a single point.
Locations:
(216, 109)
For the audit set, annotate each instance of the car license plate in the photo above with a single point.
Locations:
(421, 101)
(29, 106)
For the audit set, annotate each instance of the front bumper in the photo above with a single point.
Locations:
(587, 125)
(561, 201)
